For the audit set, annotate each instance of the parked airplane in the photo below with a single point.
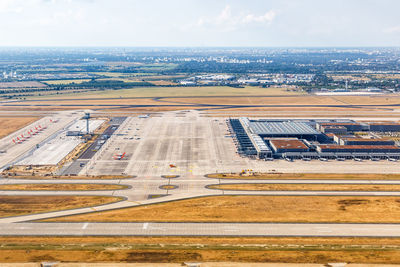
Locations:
(119, 156)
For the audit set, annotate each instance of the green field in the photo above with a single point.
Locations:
(157, 91)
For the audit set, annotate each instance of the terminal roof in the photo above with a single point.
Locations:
(282, 128)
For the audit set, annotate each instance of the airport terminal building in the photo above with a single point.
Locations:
(313, 139)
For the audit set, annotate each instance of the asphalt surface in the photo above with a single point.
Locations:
(80, 164)
(91, 150)
(200, 229)
(197, 145)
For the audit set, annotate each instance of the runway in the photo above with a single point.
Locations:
(200, 229)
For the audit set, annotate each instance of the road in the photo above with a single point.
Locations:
(200, 229)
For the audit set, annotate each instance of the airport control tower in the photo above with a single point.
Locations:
(87, 117)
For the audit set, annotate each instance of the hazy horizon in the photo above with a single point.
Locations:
(195, 23)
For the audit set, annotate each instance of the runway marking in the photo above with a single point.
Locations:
(85, 226)
(93, 209)
(145, 225)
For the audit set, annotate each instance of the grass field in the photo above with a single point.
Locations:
(9, 125)
(157, 91)
(275, 102)
(313, 176)
(15, 85)
(199, 249)
(22, 205)
(77, 81)
(62, 187)
(329, 209)
(307, 187)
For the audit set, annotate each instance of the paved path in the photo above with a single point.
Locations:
(201, 229)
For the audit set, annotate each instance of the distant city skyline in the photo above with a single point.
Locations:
(200, 23)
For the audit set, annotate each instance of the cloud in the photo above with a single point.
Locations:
(225, 15)
(226, 20)
(61, 17)
(18, 6)
(395, 29)
(11, 6)
(268, 17)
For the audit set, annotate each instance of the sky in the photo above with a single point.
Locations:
(200, 23)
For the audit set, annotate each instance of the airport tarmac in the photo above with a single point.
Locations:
(56, 149)
(16, 151)
(197, 145)
(188, 145)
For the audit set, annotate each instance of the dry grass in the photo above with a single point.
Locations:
(370, 100)
(156, 91)
(100, 177)
(162, 82)
(9, 125)
(387, 76)
(199, 249)
(349, 77)
(312, 176)
(265, 96)
(307, 187)
(333, 209)
(261, 100)
(76, 81)
(13, 85)
(62, 187)
(22, 205)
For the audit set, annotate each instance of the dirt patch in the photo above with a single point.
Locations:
(301, 209)
(22, 205)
